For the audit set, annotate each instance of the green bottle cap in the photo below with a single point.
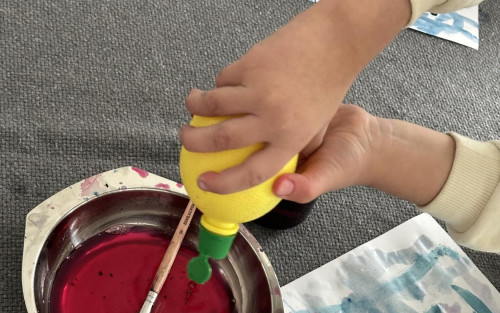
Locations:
(212, 246)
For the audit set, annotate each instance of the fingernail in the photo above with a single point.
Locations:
(285, 188)
(202, 185)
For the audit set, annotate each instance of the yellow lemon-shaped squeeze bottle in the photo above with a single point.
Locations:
(222, 214)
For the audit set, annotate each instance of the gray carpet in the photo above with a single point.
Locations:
(88, 86)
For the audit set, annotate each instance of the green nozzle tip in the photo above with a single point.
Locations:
(210, 245)
(199, 270)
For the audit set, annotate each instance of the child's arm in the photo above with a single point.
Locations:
(289, 86)
(411, 162)
(454, 178)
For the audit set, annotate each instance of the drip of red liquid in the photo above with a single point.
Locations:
(113, 273)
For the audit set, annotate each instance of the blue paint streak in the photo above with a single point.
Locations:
(379, 298)
(422, 265)
(440, 24)
(475, 303)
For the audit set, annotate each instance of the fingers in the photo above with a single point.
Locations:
(231, 75)
(317, 177)
(229, 134)
(220, 101)
(256, 169)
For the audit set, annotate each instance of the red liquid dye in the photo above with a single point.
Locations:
(112, 273)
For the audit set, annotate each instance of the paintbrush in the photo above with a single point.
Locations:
(168, 258)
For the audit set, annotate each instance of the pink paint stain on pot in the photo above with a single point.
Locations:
(163, 186)
(179, 185)
(90, 185)
(141, 173)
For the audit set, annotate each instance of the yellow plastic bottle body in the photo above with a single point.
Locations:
(223, 213)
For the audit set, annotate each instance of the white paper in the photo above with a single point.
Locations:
(415, 267)
(461, 26)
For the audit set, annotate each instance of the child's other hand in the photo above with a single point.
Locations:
(406, 160)
(343, 159)
(286, 89)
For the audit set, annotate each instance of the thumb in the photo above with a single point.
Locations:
(316, 177)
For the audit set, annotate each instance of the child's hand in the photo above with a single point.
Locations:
(288, 87)
(403, 159)
(343, 159)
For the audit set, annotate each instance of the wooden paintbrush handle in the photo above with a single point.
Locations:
(173, 248)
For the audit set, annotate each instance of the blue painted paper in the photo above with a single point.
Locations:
(415, 267)
(461, 27)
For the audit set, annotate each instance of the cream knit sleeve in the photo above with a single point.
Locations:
(418, 7)
(469, 202)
